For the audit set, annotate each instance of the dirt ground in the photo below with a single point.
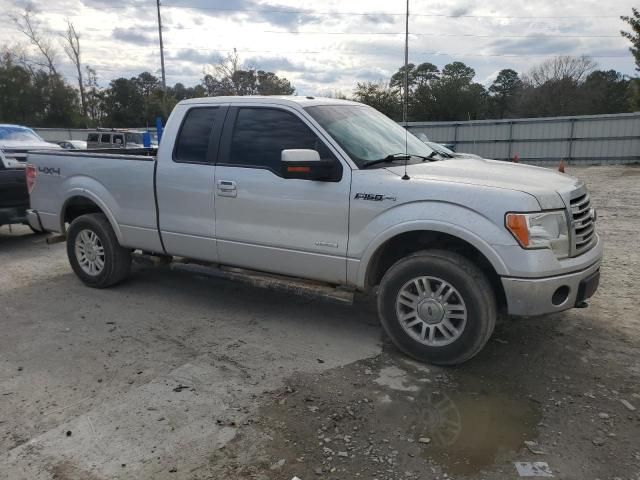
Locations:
(173, 375)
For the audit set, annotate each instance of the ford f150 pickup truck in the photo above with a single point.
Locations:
(331, 191)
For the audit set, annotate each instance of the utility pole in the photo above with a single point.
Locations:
(164, 79)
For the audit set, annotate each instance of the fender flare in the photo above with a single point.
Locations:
(82, 192)
(429, 226)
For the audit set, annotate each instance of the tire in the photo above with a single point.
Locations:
(409, 312)
(92, 241)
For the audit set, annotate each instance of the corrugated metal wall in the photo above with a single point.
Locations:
(589, 139)
(61, 134)
(592, 139)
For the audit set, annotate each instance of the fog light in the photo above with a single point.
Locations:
(560, 295)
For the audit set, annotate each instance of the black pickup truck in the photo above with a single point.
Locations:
(14, 196)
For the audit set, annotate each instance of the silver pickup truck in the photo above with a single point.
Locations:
(331, 191)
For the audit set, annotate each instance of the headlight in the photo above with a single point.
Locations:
(540, 230)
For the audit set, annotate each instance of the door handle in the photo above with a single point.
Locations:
(227, 188)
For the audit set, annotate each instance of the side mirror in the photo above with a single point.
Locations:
(304, 164)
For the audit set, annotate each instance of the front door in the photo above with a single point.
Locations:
(269, 223)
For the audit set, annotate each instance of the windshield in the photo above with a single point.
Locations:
(18, 133)
(366, 134)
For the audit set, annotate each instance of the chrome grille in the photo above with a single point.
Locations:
(583, 225)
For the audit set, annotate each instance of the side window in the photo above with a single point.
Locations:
(105, 138)
(260, 135)
(92, 137)
(192, 144)
(118, 139)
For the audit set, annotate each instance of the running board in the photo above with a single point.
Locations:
(55, 238)
(296, 286)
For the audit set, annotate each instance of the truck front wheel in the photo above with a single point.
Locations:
(94, 252)
(437, 307)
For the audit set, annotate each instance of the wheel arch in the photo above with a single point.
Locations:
(82, 203)
(395, 245)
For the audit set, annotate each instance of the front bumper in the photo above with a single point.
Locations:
(539, 296)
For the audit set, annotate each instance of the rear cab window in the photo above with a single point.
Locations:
(105, 138)
(192, 144)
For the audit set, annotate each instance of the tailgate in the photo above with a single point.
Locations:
(13, 188)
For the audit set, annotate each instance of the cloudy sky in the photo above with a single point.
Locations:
(329, 45)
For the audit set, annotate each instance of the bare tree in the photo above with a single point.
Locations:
(222, 79)
(29, 27)
(228, 66)
(17, 54)
(71, 46)
(561, 68)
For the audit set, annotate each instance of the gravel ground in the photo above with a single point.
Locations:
(174, 375)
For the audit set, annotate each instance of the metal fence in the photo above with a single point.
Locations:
(60, 134)
(588, 139)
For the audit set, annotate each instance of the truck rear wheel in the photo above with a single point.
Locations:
(94, 252)
(437, 307)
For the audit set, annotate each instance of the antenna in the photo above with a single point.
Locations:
(405, 106)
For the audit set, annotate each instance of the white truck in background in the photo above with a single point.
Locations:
(331, 191)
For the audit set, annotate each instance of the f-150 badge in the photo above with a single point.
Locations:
(374, 197)
(49, 171)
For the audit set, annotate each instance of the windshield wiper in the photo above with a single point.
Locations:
(431, 155)
(442, 154)
(395, 156)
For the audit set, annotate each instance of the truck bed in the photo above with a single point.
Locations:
(119, 181)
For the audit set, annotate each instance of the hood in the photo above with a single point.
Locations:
(548, 186)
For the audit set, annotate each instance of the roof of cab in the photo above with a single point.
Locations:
(303, 101)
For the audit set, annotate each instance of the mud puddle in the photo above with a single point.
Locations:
(464, 428)
(472, 433)
(387, 417)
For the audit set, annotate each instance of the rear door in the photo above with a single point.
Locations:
(184, 184)
(269, 223)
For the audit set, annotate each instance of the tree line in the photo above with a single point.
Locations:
(33, 92)
(559, 86)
